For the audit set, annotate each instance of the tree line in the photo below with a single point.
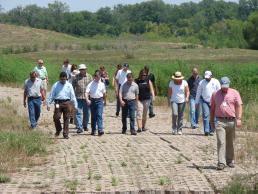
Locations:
(209, 22)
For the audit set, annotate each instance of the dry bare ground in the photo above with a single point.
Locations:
(151, 162)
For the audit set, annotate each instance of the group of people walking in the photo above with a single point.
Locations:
(86, 94)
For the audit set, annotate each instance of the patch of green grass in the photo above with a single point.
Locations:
(4, 178)
(97, 177)
(114, 181)
(164, 180)
(123, 164)
(98, 187)
(71, 185)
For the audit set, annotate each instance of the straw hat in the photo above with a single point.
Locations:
(82, 66)
(177, 76)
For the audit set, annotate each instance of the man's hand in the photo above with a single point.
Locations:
(24, 104)
(238, 123)
(48, 108)
(186, 100)
(122, 103)
(153, 98)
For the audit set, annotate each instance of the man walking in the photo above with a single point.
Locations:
(151, 77)
(226, 106)
(62, 94)
(66, 67)
(128, 95)
(193, 83)
(34, 94)
(42, 74)
(204, 92)
(96, 99)
(79, 84)
(121, 78)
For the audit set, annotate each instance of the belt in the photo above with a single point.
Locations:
(43, 79)
(96, 98)
(61, 101)
(128, 100)
(226, 118)
(34, 97)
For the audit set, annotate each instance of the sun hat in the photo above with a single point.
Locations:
(82, 66)
(224, 81)
(207, 74)
(177, 76)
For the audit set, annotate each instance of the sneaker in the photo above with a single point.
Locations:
(139, 130)
(151, 115)
(231, 165)
(79, 131)
(101, 133)
(174, 132)
(221, 166)
(133, 133)
(179, 132)
(211, 133)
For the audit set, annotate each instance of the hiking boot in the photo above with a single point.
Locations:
(133, 132)
(92, 133)
(206, 133)
(139, 130)
(79, 131)
(57, 134)
(85, 129)
(151, 115)
(66, 137)
(231, 165)
(101, 133)
(124, 131)
(221, 166)
(117, 114)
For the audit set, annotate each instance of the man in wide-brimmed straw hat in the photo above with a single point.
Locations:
(178, 95)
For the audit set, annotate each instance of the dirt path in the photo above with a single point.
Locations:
(154, 161)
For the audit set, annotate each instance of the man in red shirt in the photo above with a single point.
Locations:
(226, 106)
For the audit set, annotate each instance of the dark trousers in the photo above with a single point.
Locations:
(34, 108)
(96, 108)
(64, 108)
(128, 110)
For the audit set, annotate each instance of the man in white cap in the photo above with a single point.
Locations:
(80, 84)
(206, 88)
(121, 78)
(226, 106)
(41, 71)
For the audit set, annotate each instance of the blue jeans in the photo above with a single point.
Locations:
(34, 108)
(82, 108)
(194, 113)
(177, 115)
(129, 109)
(206, 116)
(117, 105)
(96, 108)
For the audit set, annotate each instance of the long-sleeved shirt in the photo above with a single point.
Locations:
(206, 89)
(193, 85)
(61, 91)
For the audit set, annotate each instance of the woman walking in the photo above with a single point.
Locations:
(178, 95)
(146, 92)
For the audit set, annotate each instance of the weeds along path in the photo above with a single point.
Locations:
(153, 161)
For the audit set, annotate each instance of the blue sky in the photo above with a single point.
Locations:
(76, 5)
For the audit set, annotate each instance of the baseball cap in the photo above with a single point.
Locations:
(207, 74)
(224, 81)
(82, 66)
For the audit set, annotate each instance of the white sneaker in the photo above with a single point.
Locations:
(174, 132)
(179, 132)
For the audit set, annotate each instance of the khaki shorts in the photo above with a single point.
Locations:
(142, 109)
(44, 83)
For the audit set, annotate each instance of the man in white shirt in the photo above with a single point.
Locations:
(66, 67)
(96, 98)
(121, 78)
(206, 88)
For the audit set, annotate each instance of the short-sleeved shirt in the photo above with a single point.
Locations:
(225, 103)
(178, 91)
(121, 76)
(96, 89)
(32, 89)
(129, 91)
(144, 89)
(41, 71)
(80, 84)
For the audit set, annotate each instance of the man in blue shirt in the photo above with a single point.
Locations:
(62, 94)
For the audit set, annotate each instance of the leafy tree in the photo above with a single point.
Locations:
(251, 30)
